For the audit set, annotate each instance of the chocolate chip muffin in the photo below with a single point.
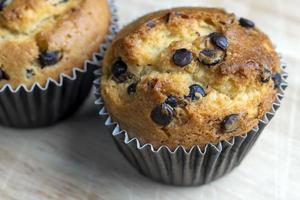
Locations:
(189, 76)
(41, 39)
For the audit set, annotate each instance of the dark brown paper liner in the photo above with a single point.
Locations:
(187, 167)
(45, 105)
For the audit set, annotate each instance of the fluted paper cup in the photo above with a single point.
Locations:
(186, 167)
(44, 105)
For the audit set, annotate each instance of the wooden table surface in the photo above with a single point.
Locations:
(77, 160)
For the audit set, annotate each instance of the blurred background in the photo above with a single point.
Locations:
(66, 162)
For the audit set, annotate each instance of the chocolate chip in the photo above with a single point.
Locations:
(4, 3)
(208, 52)
(211, 56)
(162, 114)
(277, 80)
(3, 75)
(118, 68)
(29, 73)
(230, 123)
(50, 58)
(266, 74)
(151, 24)
(172, 101)
(246, 23)
(219, 40)
(196, 92)
(131, 88)
(182, 57)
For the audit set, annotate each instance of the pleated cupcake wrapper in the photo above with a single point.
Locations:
(184, 167)
(58, 99)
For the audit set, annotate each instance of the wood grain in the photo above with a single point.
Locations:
(77, 160)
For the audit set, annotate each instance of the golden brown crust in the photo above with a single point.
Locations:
(232, 86)
(75, 28)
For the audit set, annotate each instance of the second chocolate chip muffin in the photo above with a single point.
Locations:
(42, 39)
(189, 76)
(48, 52)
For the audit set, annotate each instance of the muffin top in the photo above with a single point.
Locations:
(41, 39)
(189, 76)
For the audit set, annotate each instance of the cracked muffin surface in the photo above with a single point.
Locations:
(189, 76)
(40, 39)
